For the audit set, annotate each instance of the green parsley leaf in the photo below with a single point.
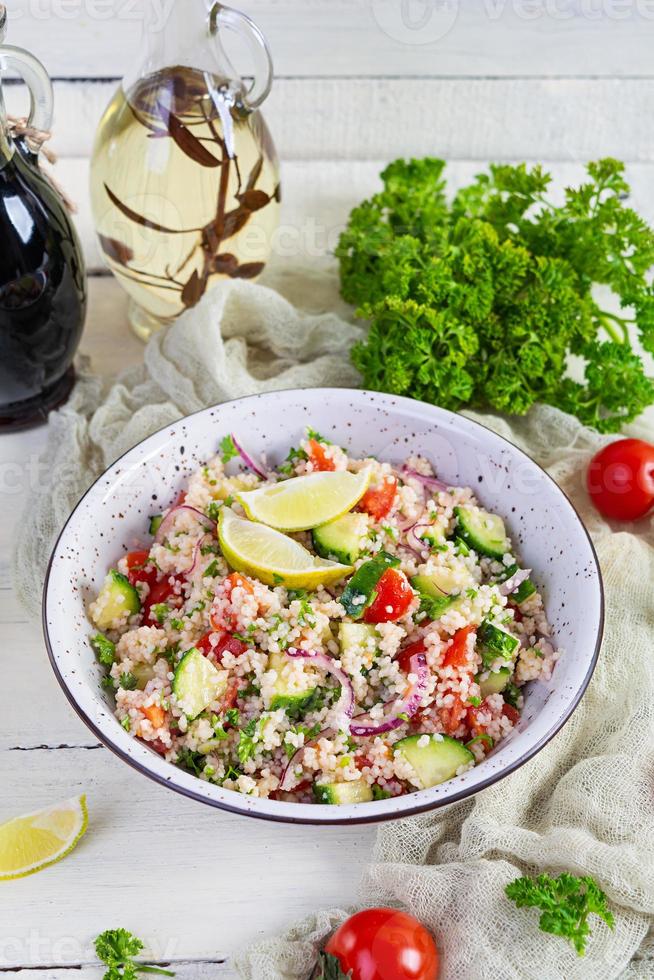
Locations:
(116, 948)
(565, 903)
(212, 569)
(379, 794)
(128, 681)
(104, 649)
(482, 301)
(227, 449)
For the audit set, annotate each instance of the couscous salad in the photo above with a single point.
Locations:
(335, 630)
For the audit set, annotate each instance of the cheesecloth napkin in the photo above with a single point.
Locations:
(584, 804)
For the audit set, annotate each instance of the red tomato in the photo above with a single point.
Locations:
(159, 592)
(620, 479)
(404, 656)
(511, 713)
(138, 569)
(473, 719)
(384, 944)
(378, 501)
(225, 642)
(456, 654)
(319, 457)
(394, 596)
(452, 716)
(231, 695)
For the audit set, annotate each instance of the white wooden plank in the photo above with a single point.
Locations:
(473, 119)
(193, 970)
(319, 195)
(192, 882)
(90, 38)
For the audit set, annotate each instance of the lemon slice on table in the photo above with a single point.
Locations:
(32, 842)
(273, 557)
(305, 502)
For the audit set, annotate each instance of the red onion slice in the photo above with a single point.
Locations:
(513, 583)
(197, 552)
(345, 704)
(432, 482)
(165, 524)
(249, 461)
(363, 725)
(413, 542)
(288, 776)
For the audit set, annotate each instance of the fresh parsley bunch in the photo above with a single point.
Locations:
(565, 903)
(482, 301)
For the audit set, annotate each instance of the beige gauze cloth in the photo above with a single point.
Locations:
(585, 804)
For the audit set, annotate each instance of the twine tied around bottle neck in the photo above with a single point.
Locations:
(17, 128)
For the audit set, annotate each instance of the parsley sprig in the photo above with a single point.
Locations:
(482, 301)
(117, 949)
(565, 903)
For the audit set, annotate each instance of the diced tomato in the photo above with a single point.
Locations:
(235, 580)
(517, 614)
(452, 716)
(139, 569)
(231, 695)
(511, 713)
(318, 457)
(224, 642)
(403, 658)
(181, 499)
(394, 597)
(473, 717)
(361, 761)
(157, 745)
(456, 654)
(378, 501)
(155, 715)
(160, 592)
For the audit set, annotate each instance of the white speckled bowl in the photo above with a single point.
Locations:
(112, 517)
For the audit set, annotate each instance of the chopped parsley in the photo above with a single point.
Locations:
(228, 450)
(128, 681)
(379, 794)
(104, 649)
(212, 570)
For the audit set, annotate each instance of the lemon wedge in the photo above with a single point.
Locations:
(33, 842)
(273, 557)
(305, 502)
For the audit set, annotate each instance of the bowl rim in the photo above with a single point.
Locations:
(356, 818)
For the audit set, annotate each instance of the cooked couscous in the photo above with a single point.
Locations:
(336, 630)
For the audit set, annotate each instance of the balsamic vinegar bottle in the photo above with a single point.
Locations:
(42, 275)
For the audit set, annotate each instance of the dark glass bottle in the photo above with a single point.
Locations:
(42, 275)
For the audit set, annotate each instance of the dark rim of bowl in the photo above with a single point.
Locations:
(335, 821)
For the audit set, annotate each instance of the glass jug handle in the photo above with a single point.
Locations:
(35, 77)
(244, 26)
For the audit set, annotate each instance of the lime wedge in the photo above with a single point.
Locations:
(31, 843)
(305, 501)
(273, 557)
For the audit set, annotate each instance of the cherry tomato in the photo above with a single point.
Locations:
(138, 569)
(394, 596)
(457, 653)
(384, 944)
(378, 501)
(404, 656)
(319, 457)
(473, 719)
(620, 479)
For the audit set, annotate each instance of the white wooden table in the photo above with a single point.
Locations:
(359, 82)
